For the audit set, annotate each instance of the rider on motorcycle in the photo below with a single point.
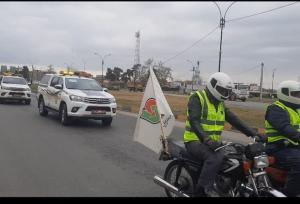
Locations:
(282, 124)
(206, 115)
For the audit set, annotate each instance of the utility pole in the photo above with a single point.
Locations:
(261, 80)
(193, 79)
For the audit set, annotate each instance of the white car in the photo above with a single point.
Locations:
(16, 88)
(75, 97)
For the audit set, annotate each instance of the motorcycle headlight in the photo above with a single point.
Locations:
(261, 161)
(112, 100)
(76, 98)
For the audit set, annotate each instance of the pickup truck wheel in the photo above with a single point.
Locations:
(27, 102)
(106, 121)
(233, 97)
(64, 119)
(42, 110)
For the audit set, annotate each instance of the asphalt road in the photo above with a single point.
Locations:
(247, 104)
(40, 157)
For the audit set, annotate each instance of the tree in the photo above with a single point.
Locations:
(163, 73)
(25, 72)
(117, 72)
(110, 75)
(50, 69)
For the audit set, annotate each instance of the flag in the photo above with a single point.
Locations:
(155, 120)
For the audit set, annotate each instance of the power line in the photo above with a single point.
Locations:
(240, 18)
(180, 53)
(248, 70)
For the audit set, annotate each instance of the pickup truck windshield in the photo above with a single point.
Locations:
(13, 80)
(82, 84)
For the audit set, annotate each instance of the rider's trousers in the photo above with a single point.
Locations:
(211, 160)
(288, 158)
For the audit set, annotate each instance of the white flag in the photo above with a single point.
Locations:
(155, 120)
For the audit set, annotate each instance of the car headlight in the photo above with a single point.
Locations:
(76, 98)
(27, 89)
(112, 100)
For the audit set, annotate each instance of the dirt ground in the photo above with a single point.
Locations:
(131, 101)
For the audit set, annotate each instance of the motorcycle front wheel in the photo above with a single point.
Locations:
(185, 181)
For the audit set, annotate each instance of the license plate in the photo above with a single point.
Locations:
(98, 112)
(17, 95)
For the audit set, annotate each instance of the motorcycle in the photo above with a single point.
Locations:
(246, 172)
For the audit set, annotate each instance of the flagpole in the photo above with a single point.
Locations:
(162, 136)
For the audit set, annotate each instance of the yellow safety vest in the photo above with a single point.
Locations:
(273, 134)
(211, 120)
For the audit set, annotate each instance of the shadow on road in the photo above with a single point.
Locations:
(12, 102)
(78, 123)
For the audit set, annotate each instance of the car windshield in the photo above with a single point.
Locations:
(82, 84)
(244, 87)
(14, 80)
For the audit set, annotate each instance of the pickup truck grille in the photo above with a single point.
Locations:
(97, 100)
(16, 89)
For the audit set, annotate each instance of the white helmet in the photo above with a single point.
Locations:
(289, 91)
(220, 86)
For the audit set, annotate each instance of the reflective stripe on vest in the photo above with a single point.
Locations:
(274, 135)
(211, 120)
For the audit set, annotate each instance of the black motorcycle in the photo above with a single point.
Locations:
(241, 175)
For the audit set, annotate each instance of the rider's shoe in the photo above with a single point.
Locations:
(211, 192)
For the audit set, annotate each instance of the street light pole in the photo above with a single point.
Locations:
(102, 63)
(222, 25)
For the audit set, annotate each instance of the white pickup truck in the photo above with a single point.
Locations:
(14, 88)
(75, 97)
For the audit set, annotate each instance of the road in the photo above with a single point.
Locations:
(238, 103)
(40, 157)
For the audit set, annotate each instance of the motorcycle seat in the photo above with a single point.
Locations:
(177, 150)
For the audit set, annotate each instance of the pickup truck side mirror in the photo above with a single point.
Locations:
(29, 84)
(58, 86)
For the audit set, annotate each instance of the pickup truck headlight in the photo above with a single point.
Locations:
(112, 100)
(76, 98)
(5, 88)
(27, 89)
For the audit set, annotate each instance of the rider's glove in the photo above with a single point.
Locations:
(260, 138)
(212, 144)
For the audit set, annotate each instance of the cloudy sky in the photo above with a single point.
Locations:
(60, 33)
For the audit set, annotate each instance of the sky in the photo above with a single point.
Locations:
(69, 33)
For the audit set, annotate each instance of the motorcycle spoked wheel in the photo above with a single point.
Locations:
(186, 182)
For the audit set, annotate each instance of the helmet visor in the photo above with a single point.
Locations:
(295, 94)
(224, 91)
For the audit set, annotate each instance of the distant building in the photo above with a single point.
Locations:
(254, 87)
(13, 69)
(3, 68)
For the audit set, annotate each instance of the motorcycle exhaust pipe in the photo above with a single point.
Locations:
(169, 186)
